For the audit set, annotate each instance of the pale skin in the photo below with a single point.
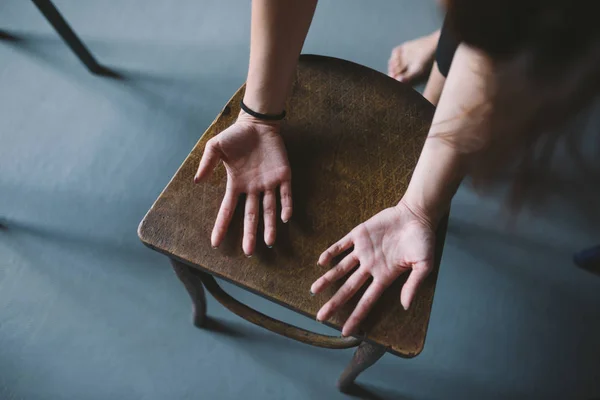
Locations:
(401, 239)
(397, 240)
(435, 85)
(411, 60)
(252, 150)
(254, 156)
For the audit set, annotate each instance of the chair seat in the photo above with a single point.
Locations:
(353, 137)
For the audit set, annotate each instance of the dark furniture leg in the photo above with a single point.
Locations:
(64, 30)
(195, 288)
(365, 355)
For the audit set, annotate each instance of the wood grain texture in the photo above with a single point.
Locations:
(353, 137)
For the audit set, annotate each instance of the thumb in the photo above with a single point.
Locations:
(209, 161)
(416, 277)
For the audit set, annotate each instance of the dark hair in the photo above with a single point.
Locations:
(546, 70)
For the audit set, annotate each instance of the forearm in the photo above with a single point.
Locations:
(444, 160)
(278, 30)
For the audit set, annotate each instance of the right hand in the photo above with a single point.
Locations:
(256, 162)
(392, 242)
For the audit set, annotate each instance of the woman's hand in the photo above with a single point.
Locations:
(390, 243)
(256, 162)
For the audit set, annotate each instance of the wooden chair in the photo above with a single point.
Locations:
(353, 137)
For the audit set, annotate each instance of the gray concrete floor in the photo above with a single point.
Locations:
(87, 312)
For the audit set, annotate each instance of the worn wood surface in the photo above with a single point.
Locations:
(353, 137)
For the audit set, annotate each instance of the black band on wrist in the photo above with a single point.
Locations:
(268, 117)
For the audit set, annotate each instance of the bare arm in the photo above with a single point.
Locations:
(251, 149)
(279, 28)
(442, 165)
(402, 238)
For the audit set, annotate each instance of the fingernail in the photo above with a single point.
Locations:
(196, 180)
(270, 247)
(319, 320)
(285, 221)
(405, 307)
(344, 335)
(215, 247)
(248, 255)
(311, 293)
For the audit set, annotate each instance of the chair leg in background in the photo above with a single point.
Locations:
(70, 37)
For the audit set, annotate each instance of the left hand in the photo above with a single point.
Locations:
(256, 162)
(390, 243)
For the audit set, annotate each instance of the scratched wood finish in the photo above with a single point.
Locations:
(353, 137)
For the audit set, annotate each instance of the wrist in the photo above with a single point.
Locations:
(244, 117)
(429, 214)
(264, 117)
(263, 102)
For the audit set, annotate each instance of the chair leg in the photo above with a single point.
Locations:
(365, 356)
(195, 288)
(71, 39)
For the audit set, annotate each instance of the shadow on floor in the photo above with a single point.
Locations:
(183, 98)
(220, 327)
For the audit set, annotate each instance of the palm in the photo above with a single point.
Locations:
(256, 162)
(255, 158)
(390, 243)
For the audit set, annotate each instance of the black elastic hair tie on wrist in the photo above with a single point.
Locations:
(268, 117)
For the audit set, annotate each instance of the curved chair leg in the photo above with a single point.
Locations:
(272, 324)
(365, 355)
(195, 288)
